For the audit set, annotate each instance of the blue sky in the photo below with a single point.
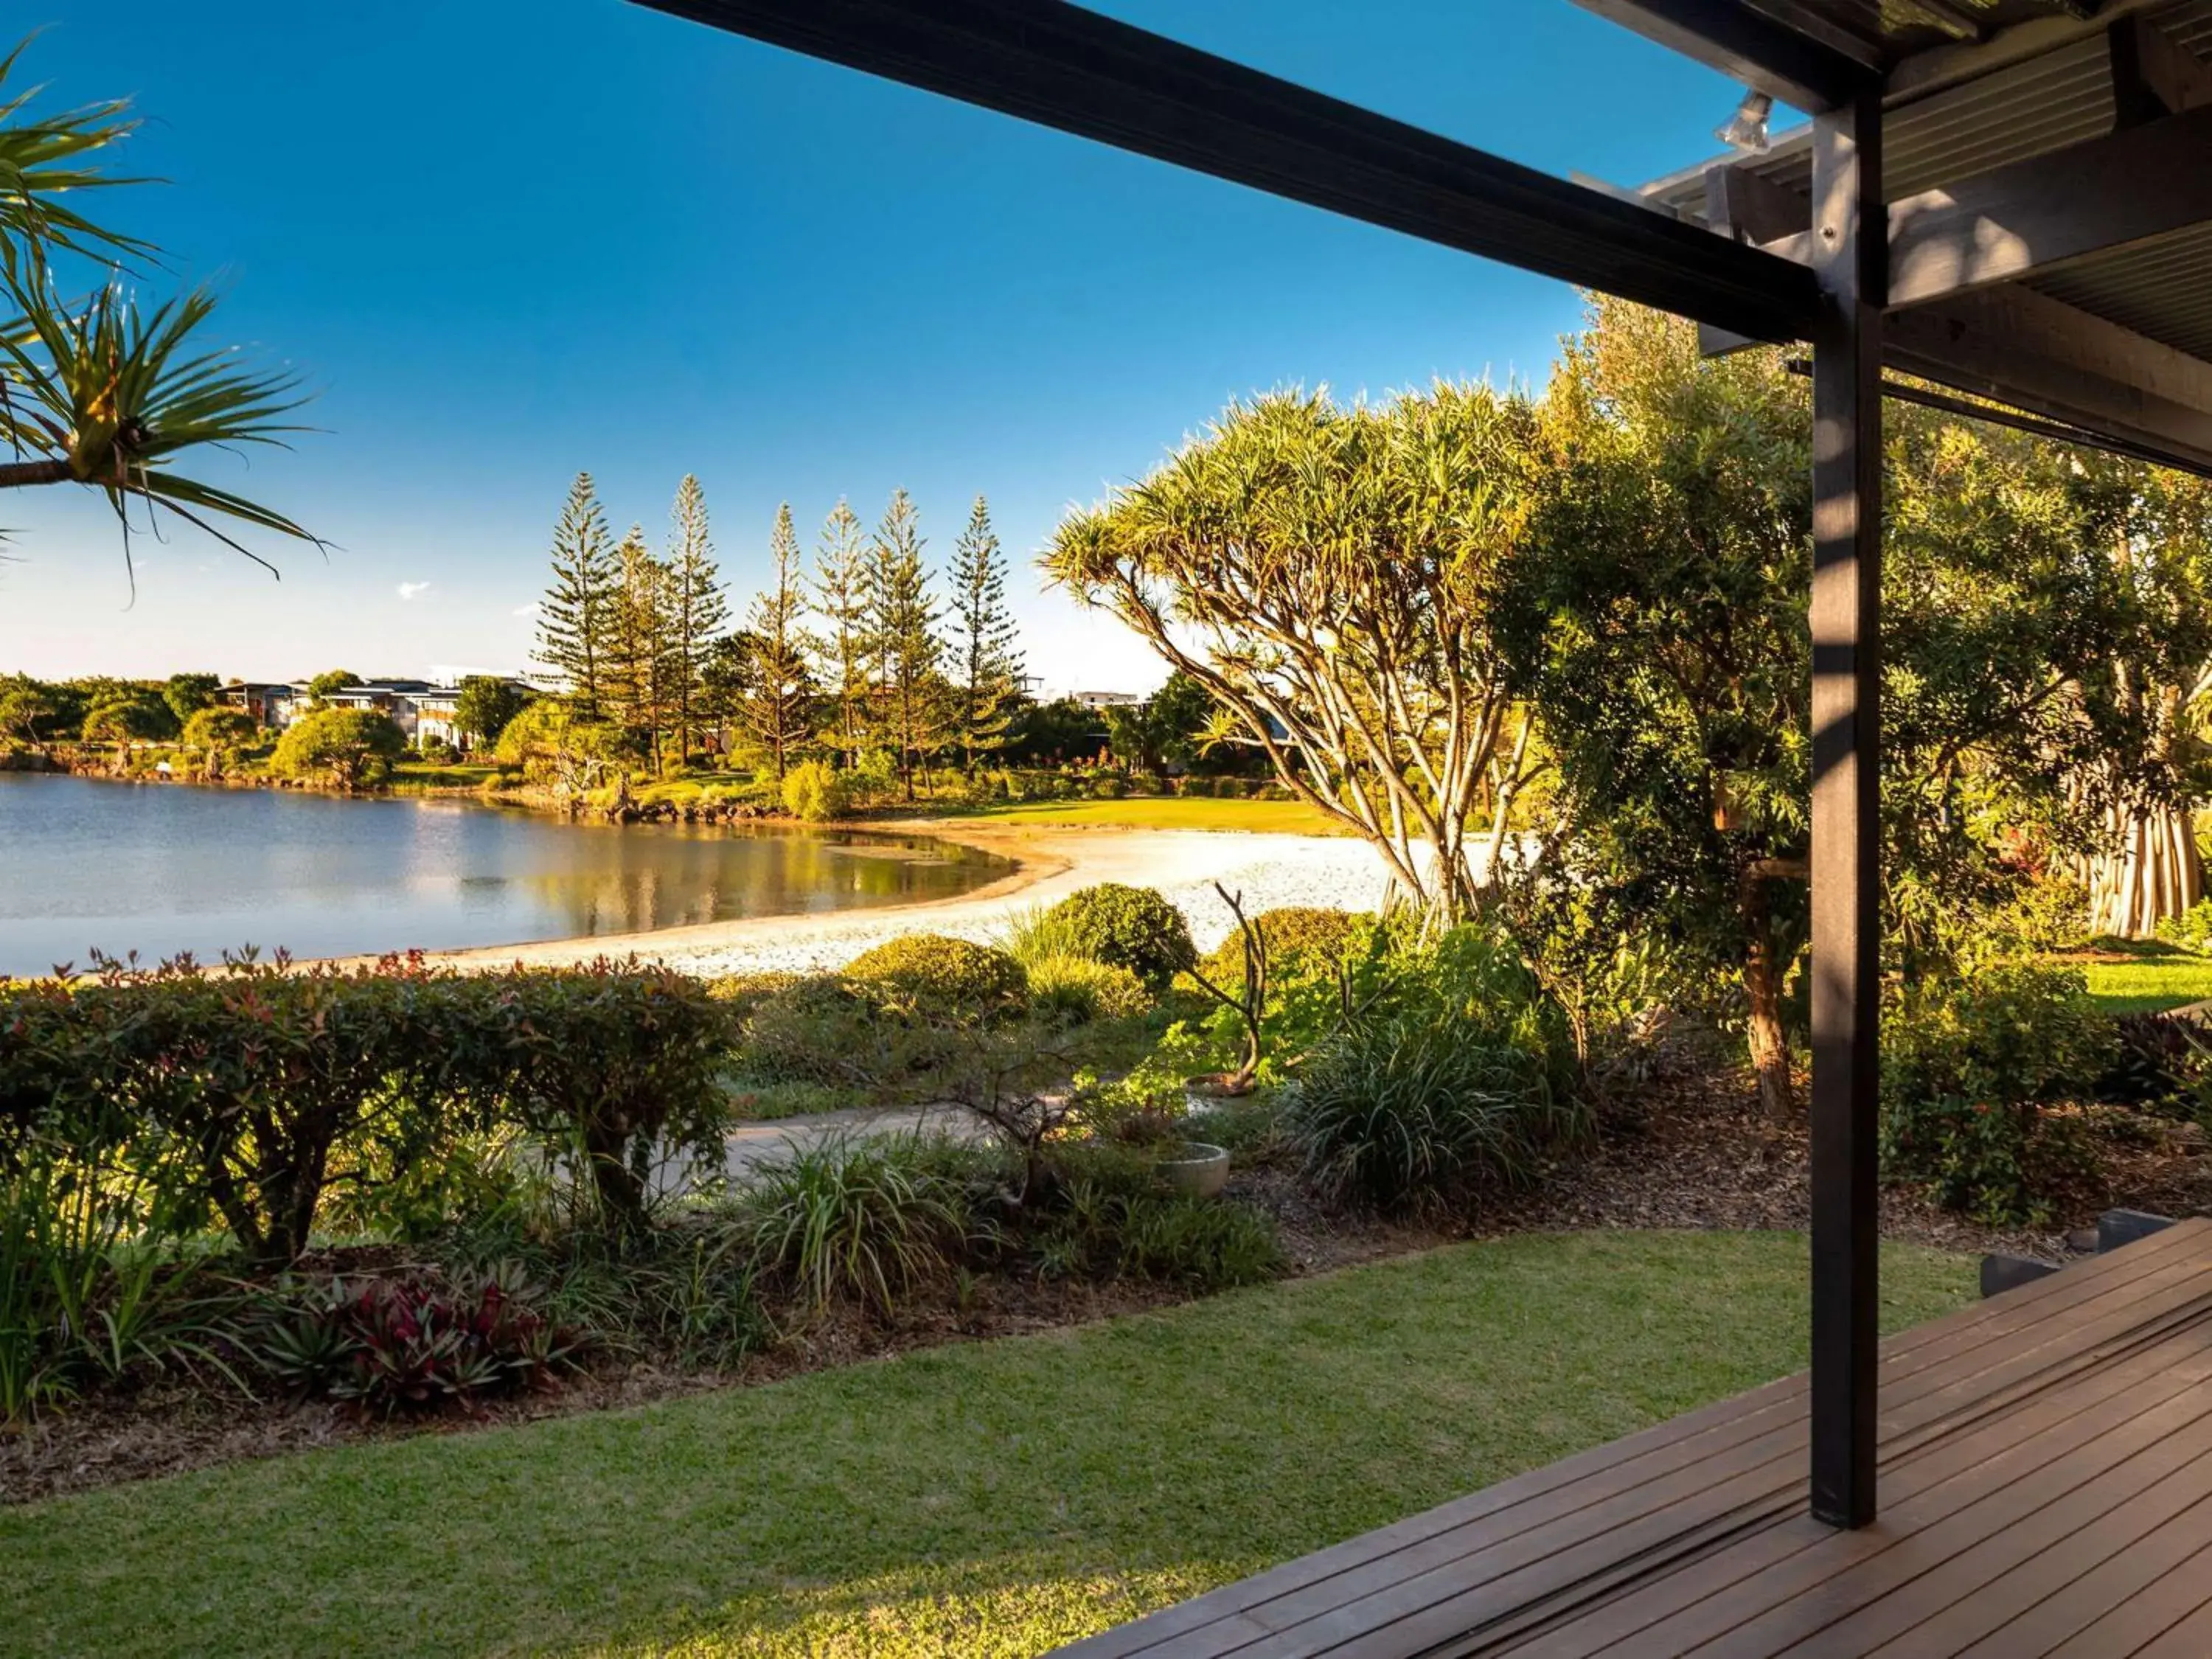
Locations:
(506, 240)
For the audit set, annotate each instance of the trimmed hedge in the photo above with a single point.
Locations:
(239, 1090)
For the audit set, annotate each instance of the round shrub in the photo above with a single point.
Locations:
(1108, 786)
(944, 976)
(1124, 927)
(1293, 933)
(1076, 990)
(815, 792)
(745, 992)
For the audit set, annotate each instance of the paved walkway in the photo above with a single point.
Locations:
(754, 1143)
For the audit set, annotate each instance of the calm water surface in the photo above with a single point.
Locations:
(160, 868)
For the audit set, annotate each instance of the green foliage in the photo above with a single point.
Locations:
(330, 681)
(130, 714)
(745, 992)
(983, 641)
(1968, 1067)
(409, 1344)
(1078, 990)
(1205, 1244)
(576, 618)
(188, 693)
(245, 1092)
(350, 747)
(1293, 934)
(1454, 1084)
(487, 703)
(859, 1217)
(945, 977)
(2192, 930)
(778, 705)
(1124, 927)
(815, 790)
(217, 730)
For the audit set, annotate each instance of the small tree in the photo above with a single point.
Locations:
(577, 615)
(215, 731)
(779, 700)
(187, 694)
(1324, 574)
(350, 747)
(25, 707)
(321, 687)
(485, 706)
(127, 715)
(988, 665)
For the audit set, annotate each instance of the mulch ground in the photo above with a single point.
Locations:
(1691, 1152)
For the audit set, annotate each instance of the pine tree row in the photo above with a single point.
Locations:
(853, 656)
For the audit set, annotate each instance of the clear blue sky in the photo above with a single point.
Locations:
(506, 240)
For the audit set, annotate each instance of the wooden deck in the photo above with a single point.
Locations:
(2046, 1489)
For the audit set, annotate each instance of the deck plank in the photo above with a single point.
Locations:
(2047, 1467)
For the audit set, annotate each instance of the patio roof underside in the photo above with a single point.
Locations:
(2049, 169)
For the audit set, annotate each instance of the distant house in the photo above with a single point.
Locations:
(1096, 700)
(267, 702)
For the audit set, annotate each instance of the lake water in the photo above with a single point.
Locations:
(160, 868)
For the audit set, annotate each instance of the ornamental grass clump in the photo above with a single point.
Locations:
(1456, 1084)
(856, 1218)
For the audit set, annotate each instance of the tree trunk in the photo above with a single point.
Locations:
(1762, 981)
(2149, 871)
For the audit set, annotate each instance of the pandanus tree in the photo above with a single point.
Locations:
(95, 392)
(1325, 574)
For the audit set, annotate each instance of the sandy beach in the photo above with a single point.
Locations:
(1269, 871)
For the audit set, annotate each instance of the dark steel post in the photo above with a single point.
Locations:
(1851, 259)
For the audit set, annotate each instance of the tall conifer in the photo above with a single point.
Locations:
(903, 639)
(987, 663)
(780, 691)
(841, 599)
(576, 615)
(697, 611)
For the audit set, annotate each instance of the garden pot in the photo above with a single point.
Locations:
(1197, 1169)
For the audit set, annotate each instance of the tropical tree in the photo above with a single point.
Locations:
(216, 727)
(25, 707)
(330, 681)
(99, 393)
(576, 617)
(841, 600)
(638, 674)
(986, 659)
(128, 713)
(778, 699)
(903, 639)
(1324, 574)
(1164, 729)
(487, 703)
(187, 694)
(554, 743)
(697, 611)
(349, 747)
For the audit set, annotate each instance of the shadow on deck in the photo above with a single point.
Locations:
(2046, 1489)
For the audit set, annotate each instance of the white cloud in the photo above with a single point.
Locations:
(413, 590)
(530, 610)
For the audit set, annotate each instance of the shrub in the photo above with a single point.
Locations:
(1210, 1246)
(815, 792)
(413, 1343)
(2158, 1060)
(1108, 786)
(1076, 990)
(1455, 1081)
(819, 1029)
(2192, 930)
(1968, 1065)
(1294, 934)
(862, 1216)
(1131, 928)
(745, 992)
(350, 747)
(944, 977)
(615, 1065)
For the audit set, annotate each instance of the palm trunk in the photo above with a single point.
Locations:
(2150, 870)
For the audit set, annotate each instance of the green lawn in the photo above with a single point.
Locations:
(983, 1499)
(2147, 977)
(1289, 817)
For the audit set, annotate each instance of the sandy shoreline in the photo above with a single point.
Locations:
(1270, 870)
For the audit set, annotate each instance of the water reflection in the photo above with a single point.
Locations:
(161, 868)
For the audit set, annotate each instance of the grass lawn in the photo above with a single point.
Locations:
(1288, 817)
(989, 1499)
(461, 775)
(2137, 976)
